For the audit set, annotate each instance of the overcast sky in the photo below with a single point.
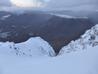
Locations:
(57, 3)
(61, 3)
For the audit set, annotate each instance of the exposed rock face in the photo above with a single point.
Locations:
(58, 31)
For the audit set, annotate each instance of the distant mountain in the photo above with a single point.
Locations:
(91, 14)
(94, 17)
(56, 30)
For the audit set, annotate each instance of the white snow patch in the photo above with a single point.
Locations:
(5, 17)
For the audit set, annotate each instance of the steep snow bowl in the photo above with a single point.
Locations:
(79, 57)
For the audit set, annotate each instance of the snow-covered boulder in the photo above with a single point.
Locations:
(33, 47)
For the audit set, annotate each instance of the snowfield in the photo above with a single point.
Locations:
(78, 57)
(83, 62)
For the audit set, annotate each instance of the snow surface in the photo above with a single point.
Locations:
(34, 47)
(79, 57)
(90, 38)
(83, 62)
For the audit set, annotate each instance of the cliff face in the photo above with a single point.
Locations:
(58, 31)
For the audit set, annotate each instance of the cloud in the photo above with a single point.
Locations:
(35, 3)
(69, 3)
(5, 3)
(26, 3)
(55, 4)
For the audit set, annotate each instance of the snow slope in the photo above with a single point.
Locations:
(89, 39)
(84, 62)
(79, 57)
(33, 47)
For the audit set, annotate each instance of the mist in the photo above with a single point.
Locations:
(60, 4)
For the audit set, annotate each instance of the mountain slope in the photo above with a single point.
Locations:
(90, 14)
(83, 61)
(56, 30)
(89, 39)
(34, 47)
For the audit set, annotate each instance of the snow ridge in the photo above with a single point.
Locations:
(34, 47)
(89, 39)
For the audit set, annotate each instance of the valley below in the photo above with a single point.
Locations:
(58, 31)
